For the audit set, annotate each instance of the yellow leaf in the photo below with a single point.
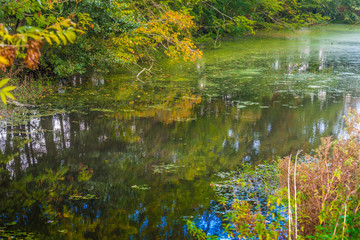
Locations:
(34, 36)
(3, 60)
(63, 38)
(55, 38)
(66, 23)
(48, 40)
(338, 173)
(70, 35)
(3, 98)
(8, 88)
(56, 27)
(4, 81)
(9, 95)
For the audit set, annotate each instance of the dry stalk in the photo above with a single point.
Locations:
(342, 236)
(295, 196)
(327, 179)
(289, 196)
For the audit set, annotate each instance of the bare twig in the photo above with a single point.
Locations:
(223, 14)
(217, 37)
(10, 45)
(144, 69)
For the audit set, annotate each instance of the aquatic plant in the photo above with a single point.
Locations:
(248, 205)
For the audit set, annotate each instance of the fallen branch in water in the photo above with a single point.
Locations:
(144, 69)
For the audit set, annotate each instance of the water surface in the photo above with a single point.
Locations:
(132, 159)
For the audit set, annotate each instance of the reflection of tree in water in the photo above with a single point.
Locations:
(221, 141)
(166, 109)
(170, 135)
(123, 151)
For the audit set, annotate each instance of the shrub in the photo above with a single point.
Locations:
(317, 196)
(323, 190)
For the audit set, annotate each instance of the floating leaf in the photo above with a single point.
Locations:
(141, 187)
(241, 106)
(101, 110)
(165, 168)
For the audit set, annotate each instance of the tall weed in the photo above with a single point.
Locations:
(322, 192)
(315, 197)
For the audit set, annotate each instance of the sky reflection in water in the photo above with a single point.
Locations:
(154, 148)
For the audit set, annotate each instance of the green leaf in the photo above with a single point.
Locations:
(338, 173)
(4, 81)
(33, 29)
(21, 29)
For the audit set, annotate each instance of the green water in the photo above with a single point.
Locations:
(135, 159)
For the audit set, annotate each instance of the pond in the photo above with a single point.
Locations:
(111, 157)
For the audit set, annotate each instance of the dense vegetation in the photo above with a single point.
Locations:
(133, 34)
(42, 39)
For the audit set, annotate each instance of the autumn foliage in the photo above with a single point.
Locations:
(327, 186)
(29, 40)
(33, 53)
(7, 55)
(169, 33)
